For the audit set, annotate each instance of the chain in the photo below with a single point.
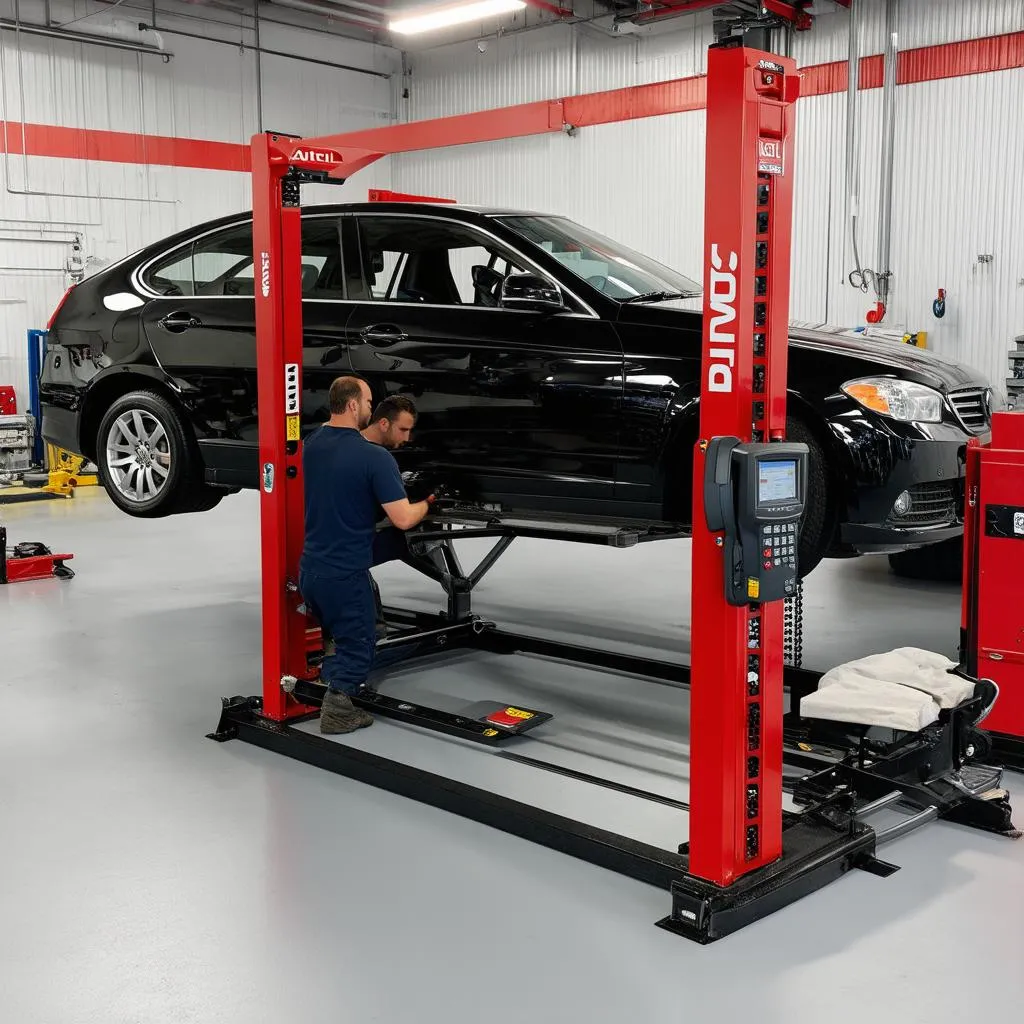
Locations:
(793, 628)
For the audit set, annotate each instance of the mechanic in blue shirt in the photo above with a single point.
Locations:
(347, 480)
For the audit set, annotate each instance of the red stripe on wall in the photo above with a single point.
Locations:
(954, 60)
(927, 64)
(122, 147)
(826, 79)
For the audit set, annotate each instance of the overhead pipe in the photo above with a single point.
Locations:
(29, 29)
(354, 5)
(884, 273)
(852, 134)
(336, 13)
(220, 23)
(266, 52)
(259, 65)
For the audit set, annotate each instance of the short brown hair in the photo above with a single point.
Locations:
(344, 390)
(390, 407)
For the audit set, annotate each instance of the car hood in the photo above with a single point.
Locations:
(924, 366)
(867, 355)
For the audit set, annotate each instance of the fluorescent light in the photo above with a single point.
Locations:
(442, 17)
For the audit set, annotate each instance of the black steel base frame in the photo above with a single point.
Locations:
(818, 847)
(850, 772)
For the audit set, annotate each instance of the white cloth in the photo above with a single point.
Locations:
(902, 689)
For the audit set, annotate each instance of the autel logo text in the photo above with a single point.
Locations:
(315, 156)
(723, 321)
(265, 274)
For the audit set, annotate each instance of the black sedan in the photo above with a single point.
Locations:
(556, 372)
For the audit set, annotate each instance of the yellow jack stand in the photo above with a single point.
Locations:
(65, 472)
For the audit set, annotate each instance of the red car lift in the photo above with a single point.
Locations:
(746, 856)
(992, 623)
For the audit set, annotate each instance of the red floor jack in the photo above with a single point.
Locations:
(31, 561)
(992, 619)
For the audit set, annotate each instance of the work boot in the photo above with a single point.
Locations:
(338, 714)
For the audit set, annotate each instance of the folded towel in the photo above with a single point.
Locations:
(908, 666)
(901, 689)
(866, 701)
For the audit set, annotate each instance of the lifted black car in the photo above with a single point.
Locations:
(555, 370)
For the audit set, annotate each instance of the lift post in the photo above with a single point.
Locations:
(736, 695)
(279, 167)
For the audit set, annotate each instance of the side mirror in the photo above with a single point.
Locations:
(533, 292)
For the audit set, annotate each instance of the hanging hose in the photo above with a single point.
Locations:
(861, 277)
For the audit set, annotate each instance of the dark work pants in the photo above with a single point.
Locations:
(345, 607)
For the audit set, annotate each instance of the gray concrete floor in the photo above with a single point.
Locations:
(150, 875)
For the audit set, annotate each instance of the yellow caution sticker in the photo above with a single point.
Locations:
(293, 428)
(518, 713)
(490, 732)
(753, 586)
(805, 747)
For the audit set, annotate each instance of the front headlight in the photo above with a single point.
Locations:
(900, 400)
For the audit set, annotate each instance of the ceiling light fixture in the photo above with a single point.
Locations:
(427, 19)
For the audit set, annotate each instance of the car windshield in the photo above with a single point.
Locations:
(619, 272)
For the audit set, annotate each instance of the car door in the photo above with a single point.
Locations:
(514, 406)
(201, 328)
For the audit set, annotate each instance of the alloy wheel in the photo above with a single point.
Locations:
(138, 454)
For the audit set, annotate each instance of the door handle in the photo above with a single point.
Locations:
(382, 334)
(178, 322)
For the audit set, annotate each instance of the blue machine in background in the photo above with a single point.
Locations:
(36, 357)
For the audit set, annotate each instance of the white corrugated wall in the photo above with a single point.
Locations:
(960, 145)
(207, 92)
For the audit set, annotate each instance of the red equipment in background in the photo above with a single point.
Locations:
(8, 401)
(992, 620)
(31, 561)
(735, 726)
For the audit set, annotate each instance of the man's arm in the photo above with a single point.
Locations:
(389, 490)
(404, 514)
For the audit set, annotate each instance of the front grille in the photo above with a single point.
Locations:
(930, 505)
(972, 409)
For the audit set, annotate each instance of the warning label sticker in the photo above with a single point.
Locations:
(291, 389)
(293, 428)
(509, 717)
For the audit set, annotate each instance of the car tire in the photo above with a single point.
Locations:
(817, 524)
(147, 457)
(936, 563)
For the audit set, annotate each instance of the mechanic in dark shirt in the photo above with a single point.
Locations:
(347, 480)
(390, 427)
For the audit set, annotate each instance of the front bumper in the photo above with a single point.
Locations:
(883, 459)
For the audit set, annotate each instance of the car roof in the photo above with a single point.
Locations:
(459, 211)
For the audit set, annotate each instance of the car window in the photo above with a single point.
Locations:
(609, 266)
(221, 263)
(432, 261)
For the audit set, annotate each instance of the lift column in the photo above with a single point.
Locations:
(737, 652)
(280, 165)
